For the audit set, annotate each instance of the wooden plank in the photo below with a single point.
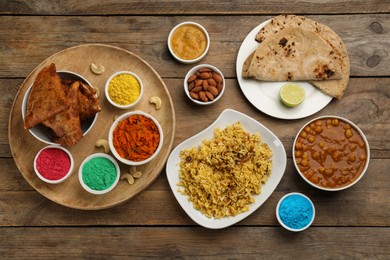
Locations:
(179, 7)
(365, 204)
(28, 40)
(162, 242)
(366, 103)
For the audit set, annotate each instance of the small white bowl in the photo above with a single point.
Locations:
(62, 179)
(116, 104)
(366, 146)
(42, 133)
(91, 157)
(192, 72)
(193, 60)
(120, 119)
(294, 208)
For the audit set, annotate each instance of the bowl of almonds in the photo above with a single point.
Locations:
(204, 84)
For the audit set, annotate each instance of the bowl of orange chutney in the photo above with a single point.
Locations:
(188, 42)
(331, 153)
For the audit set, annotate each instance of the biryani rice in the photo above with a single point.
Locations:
(221, 176)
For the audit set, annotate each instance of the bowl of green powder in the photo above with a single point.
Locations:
(123, 89)
(295, 212)
(99, 173)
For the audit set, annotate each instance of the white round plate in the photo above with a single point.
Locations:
(265, 95)
(228, 117)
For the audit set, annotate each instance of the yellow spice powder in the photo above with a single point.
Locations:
(124, 89)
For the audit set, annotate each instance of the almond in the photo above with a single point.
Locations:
(205, 85)
(209, 96)
(204, 75)
(192, 78)
(219, 87)
(197, 89)
(205, 70)
(194, 95)
(191, 85)
(212, 82)
(198, 82)
(217, 77)
(214, 91)
(203, 97)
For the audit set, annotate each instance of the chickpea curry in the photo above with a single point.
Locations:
(330, 153)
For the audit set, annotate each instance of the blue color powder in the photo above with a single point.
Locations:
(296, 211)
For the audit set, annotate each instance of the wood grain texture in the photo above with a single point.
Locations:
(351, 224)
(195, 242)
(365, 36)
(179, 7)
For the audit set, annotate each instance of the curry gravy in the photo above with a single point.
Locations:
(330, 153)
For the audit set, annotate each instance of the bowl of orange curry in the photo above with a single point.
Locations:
(188, 42)
(135, 138)
(331, 153)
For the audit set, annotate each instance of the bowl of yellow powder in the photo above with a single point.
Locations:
(124, 89)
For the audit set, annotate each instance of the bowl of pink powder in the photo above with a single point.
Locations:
(53, 164)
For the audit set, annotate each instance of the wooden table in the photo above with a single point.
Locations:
(354, 223)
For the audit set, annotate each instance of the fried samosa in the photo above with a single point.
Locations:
(47, 97)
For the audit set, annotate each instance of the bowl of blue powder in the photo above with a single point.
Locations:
(295, 212)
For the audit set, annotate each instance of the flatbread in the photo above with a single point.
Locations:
(333, 88)
(47, 97)
(294, 54)
(65, 126)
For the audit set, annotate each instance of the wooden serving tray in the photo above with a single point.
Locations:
(78, 59)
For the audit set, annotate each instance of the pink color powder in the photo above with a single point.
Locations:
(53, 163)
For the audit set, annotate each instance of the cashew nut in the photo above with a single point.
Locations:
(136, 174)
(127, 177)
(103, 143)
(97, 69)
(156, 101)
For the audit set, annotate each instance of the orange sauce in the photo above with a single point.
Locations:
(188, 42)
(330, 153)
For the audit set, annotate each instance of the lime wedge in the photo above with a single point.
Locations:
(292, 94)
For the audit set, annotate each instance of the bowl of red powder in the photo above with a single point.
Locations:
(135, 138)
(53, 164)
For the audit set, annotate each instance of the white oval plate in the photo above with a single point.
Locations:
(226, 118)
(265, 95)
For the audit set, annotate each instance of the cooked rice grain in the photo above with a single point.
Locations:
(222, 174)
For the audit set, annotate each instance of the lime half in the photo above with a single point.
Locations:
(292, 94)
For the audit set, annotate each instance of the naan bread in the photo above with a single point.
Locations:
(47, 97)
(294, 54)
(65, 126)
(334, 88)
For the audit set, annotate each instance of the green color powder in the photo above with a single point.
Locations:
(99, 173)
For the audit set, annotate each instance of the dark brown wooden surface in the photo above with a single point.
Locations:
(351, 224)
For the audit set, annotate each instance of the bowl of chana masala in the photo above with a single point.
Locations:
(331, 153)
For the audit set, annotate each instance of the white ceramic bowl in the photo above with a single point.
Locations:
(62, 179)
(86, 187)
(193, 60)
(116, 104)
(293, 209)
(192, 72)
(40, 132)
(366, 146)
(120, 119)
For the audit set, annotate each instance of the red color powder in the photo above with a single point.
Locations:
(53, 163)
